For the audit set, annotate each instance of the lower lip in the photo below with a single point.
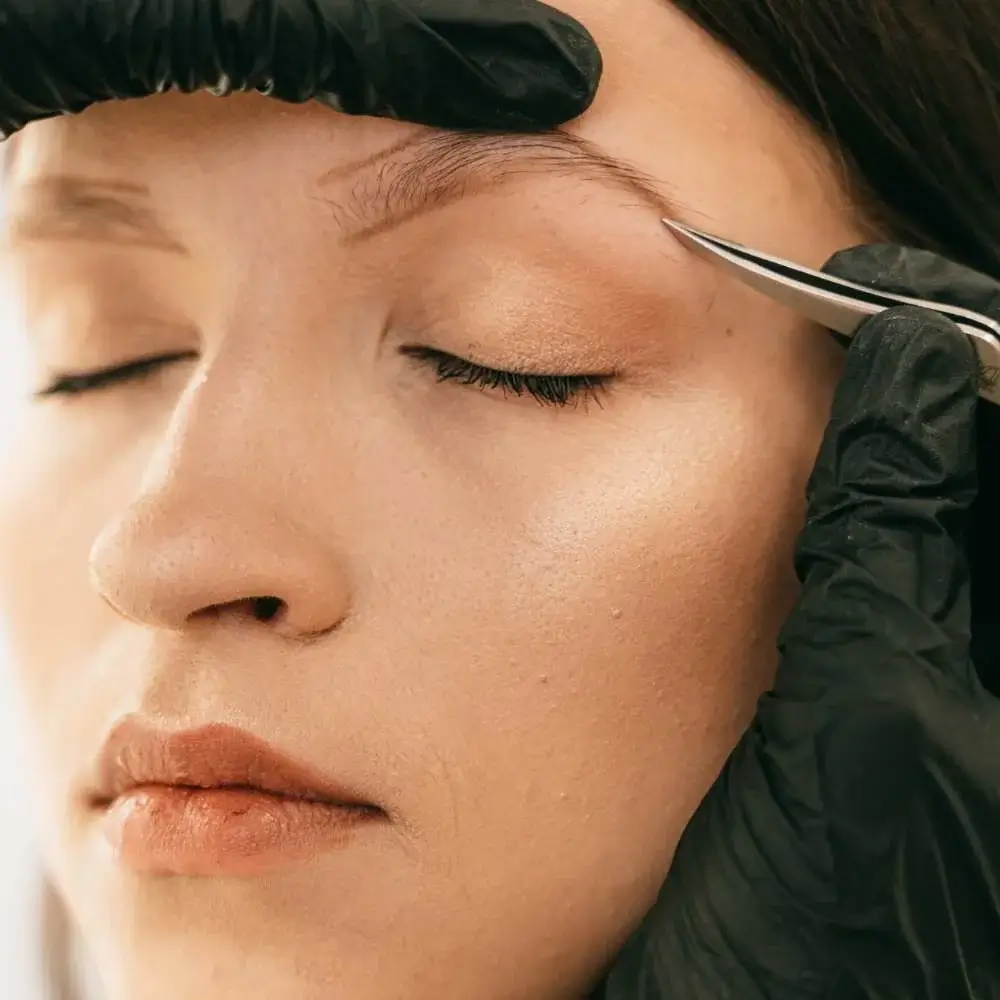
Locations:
(169, 830)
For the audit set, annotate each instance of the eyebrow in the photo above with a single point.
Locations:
(70, 207)
(417, 175)
(426, 172)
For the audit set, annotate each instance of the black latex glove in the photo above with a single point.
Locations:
(851, 846)
(484, 64)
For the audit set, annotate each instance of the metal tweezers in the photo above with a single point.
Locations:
(838, 305)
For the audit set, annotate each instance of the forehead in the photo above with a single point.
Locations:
(672, 102)
(684, 108)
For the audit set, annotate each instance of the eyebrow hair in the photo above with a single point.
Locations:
(70, 207)
(416, 175)
(425, 172)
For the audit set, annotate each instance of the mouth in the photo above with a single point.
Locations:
(217, 801)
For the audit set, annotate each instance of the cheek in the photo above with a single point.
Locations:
(53, 503)
(592, 638)
(614, 580)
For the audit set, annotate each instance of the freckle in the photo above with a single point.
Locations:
(729, 331)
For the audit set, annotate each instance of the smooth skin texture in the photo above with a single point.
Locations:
(531, 634)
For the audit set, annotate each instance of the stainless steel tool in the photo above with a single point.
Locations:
(837, 304)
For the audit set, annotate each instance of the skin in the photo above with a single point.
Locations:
(531, 634)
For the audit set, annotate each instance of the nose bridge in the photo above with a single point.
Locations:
(232, 423)
(227, 517)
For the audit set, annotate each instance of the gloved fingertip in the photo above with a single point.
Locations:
(913, 361)
(902, 425)
(579, 46)
(876, 264)
(919, 274)
(539, 76)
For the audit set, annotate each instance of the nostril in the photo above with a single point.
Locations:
(266, 609)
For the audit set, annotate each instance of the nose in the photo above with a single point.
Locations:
(228, 522)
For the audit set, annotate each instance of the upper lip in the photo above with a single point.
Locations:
(213, 756)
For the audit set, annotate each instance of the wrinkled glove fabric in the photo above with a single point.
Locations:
(512, 64)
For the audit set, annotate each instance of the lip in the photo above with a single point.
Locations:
(216, 801)
(213, 756)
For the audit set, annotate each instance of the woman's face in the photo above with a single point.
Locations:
(529, 634)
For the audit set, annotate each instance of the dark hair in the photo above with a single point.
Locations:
(907, 92)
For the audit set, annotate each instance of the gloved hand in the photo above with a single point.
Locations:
(850, 849)
(484, 64)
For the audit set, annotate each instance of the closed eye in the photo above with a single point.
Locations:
(546, 389)
(79, 383)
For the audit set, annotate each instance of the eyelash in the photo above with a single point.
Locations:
(548, 390)
(79, 383)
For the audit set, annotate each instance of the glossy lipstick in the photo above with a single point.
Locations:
(217, 801)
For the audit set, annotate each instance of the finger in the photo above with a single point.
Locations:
(919, 274)
(513, 65)
(734, 917)
(882, 559)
